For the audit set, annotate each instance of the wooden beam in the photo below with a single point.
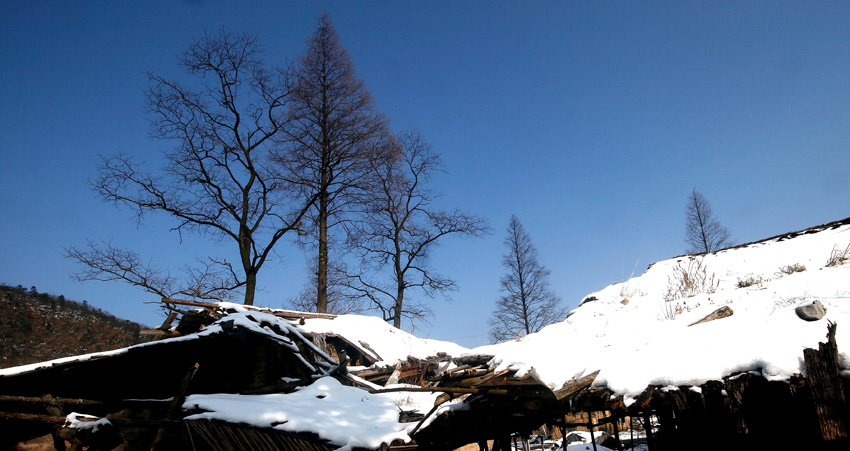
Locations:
(45, 400)
(176, 404)
(573, 386)
(454, 390)
(50, 419)
(592, 438)
(159, 333)
(4, 399)
(58, 419)
(824, 374)
(289, 314)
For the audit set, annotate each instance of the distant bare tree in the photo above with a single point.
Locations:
(398, 230)
(528, 304)
(703, 231)
(218, 181)
(327, 146)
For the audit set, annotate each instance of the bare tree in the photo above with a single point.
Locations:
(703, 231)
(219, 179)
(333, 133)
(528, 304)
(399, 228)
(341, 299)
(210, 279)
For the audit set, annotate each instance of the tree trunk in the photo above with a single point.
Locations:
(322, 267)
(250, 286)
(247, 266)
(399, 302)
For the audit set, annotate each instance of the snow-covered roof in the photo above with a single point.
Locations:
(279, 330)
(643, 332)
(344, 416)
(636, 335)
(391, 345)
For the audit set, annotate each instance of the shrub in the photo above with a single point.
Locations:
(671, 310)
(838, 256)
(791, 269)
(690, 280)
(686, 281)
(749, 281)
(780, 302)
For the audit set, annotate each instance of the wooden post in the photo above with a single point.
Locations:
(824, 375)
(590, 427)
(563, 437)
(647, 427)
(176, 404)
(617, 433)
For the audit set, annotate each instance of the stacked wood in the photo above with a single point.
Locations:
(220, 436)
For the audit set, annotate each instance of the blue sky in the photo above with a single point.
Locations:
(591, 121)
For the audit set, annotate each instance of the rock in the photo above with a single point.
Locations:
(575, 438)
(722, 312)
(811, 312)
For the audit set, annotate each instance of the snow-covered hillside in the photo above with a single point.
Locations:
(640, 332)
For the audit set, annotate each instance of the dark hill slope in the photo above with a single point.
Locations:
(35, 327)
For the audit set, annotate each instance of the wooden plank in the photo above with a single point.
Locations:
(573, 386)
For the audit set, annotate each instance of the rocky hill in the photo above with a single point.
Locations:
(35, 327)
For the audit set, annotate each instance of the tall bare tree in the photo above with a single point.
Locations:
(218, 180)
(703, 232)
(399, 228)
(528, 303)
(333, 134)
(341, 299)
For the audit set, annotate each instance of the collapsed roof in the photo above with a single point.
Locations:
(301, 380)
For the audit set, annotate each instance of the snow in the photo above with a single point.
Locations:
(46, 364)
(632, 336)
(626, 331)
(82, 421)
(392, 345)
(345, 416)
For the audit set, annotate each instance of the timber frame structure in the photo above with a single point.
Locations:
(742, 411)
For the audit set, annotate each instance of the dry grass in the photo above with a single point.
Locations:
(838, 256)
